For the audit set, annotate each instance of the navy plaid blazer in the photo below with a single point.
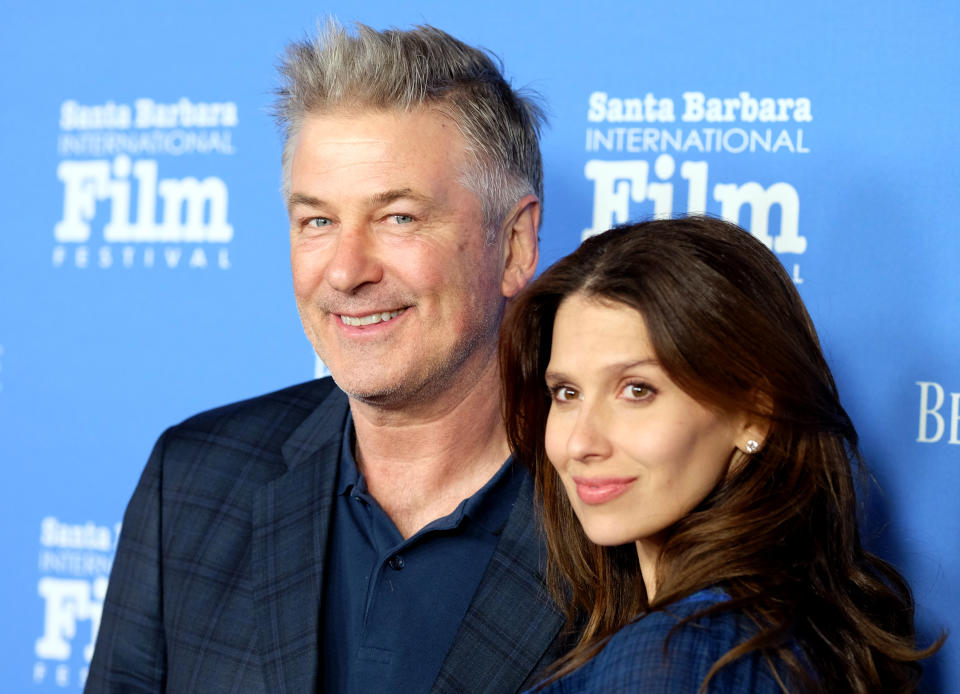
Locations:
(218, 576)
(652, 655)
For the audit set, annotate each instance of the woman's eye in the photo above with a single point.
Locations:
(319, 222)
(401, 218)
(564, 393)
(638, 391)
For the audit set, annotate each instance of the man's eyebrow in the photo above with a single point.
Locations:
(388, 196)
(303, 199)
(379, 199)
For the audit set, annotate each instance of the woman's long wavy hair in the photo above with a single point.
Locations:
(779, 534)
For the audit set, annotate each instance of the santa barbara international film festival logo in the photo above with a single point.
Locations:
(136, 185)
(696, 127)
(73, 565)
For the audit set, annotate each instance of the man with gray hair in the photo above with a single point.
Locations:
(372, 534)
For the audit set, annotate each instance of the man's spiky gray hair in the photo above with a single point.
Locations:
(405, 70)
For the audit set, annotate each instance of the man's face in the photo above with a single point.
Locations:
(396, 288)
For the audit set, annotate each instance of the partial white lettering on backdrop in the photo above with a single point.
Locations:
(936, 418)
(697, 107)
(74, 563)
(619, 183)
(119, 210)
(190, 209)
(697, 125)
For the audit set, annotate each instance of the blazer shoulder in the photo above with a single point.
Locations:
(179, 613)
(662, 653)
(279, 412)
(251, 432)
(300, 399)
(681, 626)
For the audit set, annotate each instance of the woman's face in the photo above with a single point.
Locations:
(634, 452)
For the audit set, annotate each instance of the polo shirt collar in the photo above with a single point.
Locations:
(489, 506)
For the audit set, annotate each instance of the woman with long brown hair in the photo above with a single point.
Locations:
(694, 469)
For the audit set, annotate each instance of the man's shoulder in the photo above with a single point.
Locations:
(255, 429)
(290, 406)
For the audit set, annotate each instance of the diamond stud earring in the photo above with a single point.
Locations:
(752, 446)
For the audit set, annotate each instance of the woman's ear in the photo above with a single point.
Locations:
(754, 425)
(751, 442)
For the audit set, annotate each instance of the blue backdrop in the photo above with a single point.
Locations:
(143, 256)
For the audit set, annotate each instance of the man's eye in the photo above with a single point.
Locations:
(401, 218)
(319, 222)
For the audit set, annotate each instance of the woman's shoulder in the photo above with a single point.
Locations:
(666, 619)
(660, 653)
(680, 628)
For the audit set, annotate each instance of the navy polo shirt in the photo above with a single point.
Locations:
(391, 607)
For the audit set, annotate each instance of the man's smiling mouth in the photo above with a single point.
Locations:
(371, 318)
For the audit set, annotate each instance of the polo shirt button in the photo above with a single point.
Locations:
(396, 562)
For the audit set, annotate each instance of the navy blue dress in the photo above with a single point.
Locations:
(634, 661)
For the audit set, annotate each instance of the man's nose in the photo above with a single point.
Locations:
(354, 261)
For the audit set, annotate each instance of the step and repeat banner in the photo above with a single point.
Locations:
(143, 252)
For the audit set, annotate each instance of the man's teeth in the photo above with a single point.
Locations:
(370, 319)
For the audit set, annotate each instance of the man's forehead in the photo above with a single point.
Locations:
(379, 144)
(372, 159)
(398, 117)
(414, 133)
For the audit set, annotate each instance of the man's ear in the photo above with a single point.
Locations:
(520, 245)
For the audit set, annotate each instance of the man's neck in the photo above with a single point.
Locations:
(419, 464)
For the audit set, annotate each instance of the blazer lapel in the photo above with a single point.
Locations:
(291, 518)
(506, 636)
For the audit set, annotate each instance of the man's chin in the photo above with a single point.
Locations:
(376, 392)
(409, 396)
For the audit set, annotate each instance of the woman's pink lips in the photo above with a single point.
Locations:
(598, 490)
